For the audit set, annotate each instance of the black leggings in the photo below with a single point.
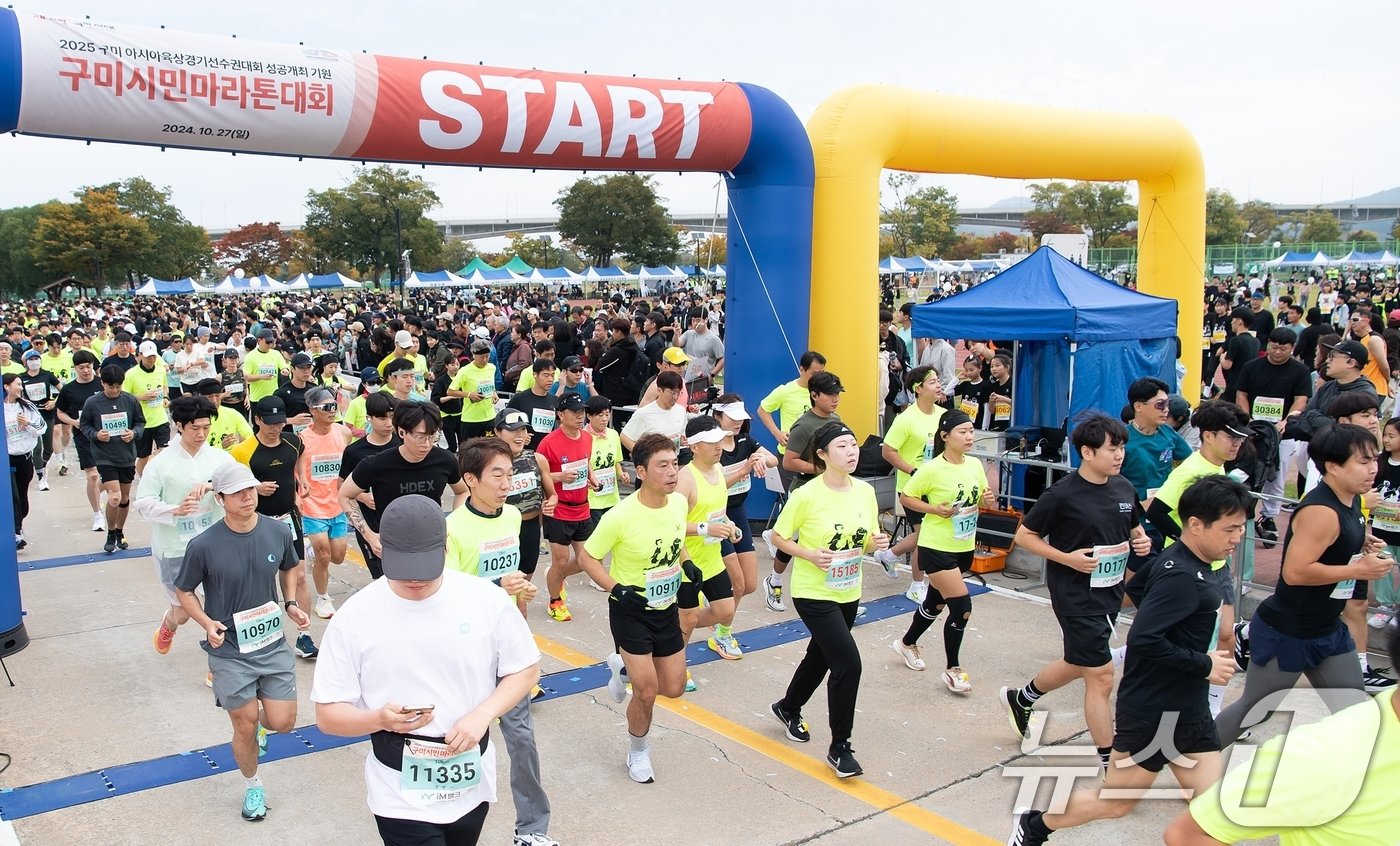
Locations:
(22, 466)
(43, 450)
(465, 831)
(831, 648)
(372, 561)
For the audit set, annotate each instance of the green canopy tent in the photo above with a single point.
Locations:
(474, 265)
(518, 265)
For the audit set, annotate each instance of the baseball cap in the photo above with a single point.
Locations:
(1352, 349)
(572, 362)
(267, 335)
(202, 331)
(232, 477)
(733, 410)
(271, 410)
(1395, 314)
(147, 348)
(482, 332)
(480, 347)
(301, 359)
(675, 355)
(369, 376)
(511, 420)
(413, 539)
(1257, 295)
(825, 382)
(704, 430)
(571, 402)
(403, 338)
(28, 354)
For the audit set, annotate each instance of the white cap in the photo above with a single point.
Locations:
(147, 348)
(403, 338)
(232, 477)
(733, 410)
(130, 327)
(709, 436)
(481, 332)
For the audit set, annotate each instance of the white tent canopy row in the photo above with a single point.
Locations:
(1355, 258)
(919, 264)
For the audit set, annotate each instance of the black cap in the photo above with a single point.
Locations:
(267, 335)
(270, 410)
(301, 359)
(572, 362)
(1351, 349)
(571, 401)
(512, 420)
(825, 382)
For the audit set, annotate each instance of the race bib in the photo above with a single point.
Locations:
(663, 584)
(1217, 336)
(741, 486)
(969, 408)
(267, 370)
(523, 483)
(298, 428)
(1205, 340)
(115, 424)
(844, 572)
(325, 467)
(36, 391)
(486, 389)
(607, 477)
(1268, 409)
(965, 523)
(209, 361)
(11, 430)
(929, 445)
(234, 388)
(575, 474)
(156, 401)
(1344, 589)
(1386, 517)
(498, 558)
(542, 420)
(431, 775)
(257, 627)
(717, 516)
(192, 524)
(1113, 562)
(1001, 411)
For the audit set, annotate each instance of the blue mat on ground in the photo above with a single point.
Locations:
(57, 794)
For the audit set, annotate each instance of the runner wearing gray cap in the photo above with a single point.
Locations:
(400, 664)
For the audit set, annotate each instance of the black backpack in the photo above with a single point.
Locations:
(637, 375)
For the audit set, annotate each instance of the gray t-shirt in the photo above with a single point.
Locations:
(800, 441)
(239, 573)
(704, 352)
(116, 416)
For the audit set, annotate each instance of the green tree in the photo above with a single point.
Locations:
(1224, 224)
(1320, 226)
(1361, 235)
(532, 249)
(180, 248)
(921, 220)
(457, 253)
(20, 274)
(1047, 217)
(1099, 208)
(303, 256)
(357, 224)
(1259, 217)
(93, 238)
(618, 215)
(258, 248)
(713, 250)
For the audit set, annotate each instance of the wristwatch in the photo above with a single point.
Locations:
(289, 603)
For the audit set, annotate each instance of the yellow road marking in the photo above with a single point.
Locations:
(861, 790)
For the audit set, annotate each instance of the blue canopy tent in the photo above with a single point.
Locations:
(1082, 339)
(162, 287)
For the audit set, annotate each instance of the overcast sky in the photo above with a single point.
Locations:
(1256, 83)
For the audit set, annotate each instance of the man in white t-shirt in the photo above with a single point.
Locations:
(424, 662)
(666, 416)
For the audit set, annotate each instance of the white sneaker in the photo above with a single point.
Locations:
(99, 524)
(910, 654)
(768, 541)
(957, 680)
(43, 483)
(617, 685)
(639, 766)
(889, 561)
(534, 839)
(773, 593)
(325, 608)
(916, 592)
(1380, 619)
(1118, 653)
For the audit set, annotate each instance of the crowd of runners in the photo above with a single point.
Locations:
(468, 445)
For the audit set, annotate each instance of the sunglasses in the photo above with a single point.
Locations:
(326, 406)
(575, 369)
(1161, 405)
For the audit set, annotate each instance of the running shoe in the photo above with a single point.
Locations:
(639, 766)
(121, 540)
(1376, 682)
(305, 646)
(912, 659)
(1241, 646)
(254, 804)
(43, 482)
(794, 724)
(773, 593)
(20, 542)
(209, 679)
(110, 546)
(1381, 618)
(617, 683)
(768, 542)
(559, 611)
(889, 561)
(99, 524)
(690, 685)
(916, 592)
(164, 637)
(1267, 530)
(534, 839)
(957, 680)
(63, 468)
(1019, 715)
(262, 741)
(840, 759)
(1021, 834)
(536, 692)
(564, 592)
(726, 647)
(325, 608)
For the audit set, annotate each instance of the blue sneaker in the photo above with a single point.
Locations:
(254, 805)
(305, 646)
(262, 741)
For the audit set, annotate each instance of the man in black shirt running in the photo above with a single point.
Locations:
(1163, 709)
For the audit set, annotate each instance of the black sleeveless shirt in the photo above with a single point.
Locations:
(1311, 611)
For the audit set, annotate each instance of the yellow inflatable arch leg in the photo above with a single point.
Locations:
(859, 131)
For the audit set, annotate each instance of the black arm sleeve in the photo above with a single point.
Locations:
(1160, 515)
